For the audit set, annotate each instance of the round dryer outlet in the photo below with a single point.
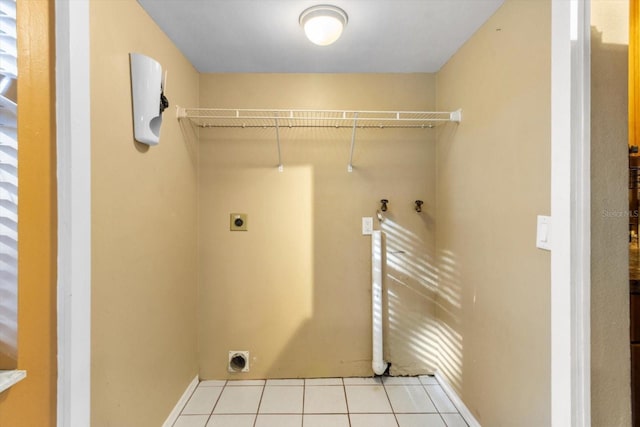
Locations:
(238, 361)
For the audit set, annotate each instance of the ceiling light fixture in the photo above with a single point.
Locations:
(323, 24)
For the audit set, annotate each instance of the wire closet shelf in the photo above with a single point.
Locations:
(270, 118)
(253, 118)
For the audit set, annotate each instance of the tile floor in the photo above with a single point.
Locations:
(324, 402)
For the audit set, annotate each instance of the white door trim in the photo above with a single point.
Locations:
(73, 139)
(570, 211)
(581, 213)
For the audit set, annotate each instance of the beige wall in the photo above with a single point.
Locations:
(294, 289)
(610, 370)
(493, 179)
(144, 349)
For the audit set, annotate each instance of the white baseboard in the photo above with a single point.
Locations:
(462, 408)
(175, 413)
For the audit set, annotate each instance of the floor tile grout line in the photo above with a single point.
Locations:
(255, 419)
(215, 404)
(208, 418)
(226, 383)
(232, 413)
(185, 405)
(346, 401)
(428, 397)
(287, 413)
(424, 386)
(304, 393)
(454, 405)
(442, 418)
(393, 411)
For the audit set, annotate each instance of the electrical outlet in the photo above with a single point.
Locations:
(238, 222)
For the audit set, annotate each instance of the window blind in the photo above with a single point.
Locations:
(8, 186)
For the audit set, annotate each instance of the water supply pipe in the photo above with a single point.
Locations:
(378, 364)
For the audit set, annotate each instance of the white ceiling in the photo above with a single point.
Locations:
(382, 36)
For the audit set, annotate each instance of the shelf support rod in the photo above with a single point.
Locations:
(353, 142)
(280, 165)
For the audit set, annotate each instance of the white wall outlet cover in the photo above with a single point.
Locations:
(543, 233)
(367, 225)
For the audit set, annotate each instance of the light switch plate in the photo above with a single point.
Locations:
(543, 234)
(367, 225)
(238, 222)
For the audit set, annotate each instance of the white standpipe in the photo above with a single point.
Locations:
(378, 364)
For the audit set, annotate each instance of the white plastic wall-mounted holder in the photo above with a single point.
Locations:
(147, 88)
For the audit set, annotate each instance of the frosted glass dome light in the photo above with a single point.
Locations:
(323, 24)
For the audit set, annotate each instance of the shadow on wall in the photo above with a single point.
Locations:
(416, 342)
(449, 312)
(307, 220)
(411, 288)
(418, 293)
